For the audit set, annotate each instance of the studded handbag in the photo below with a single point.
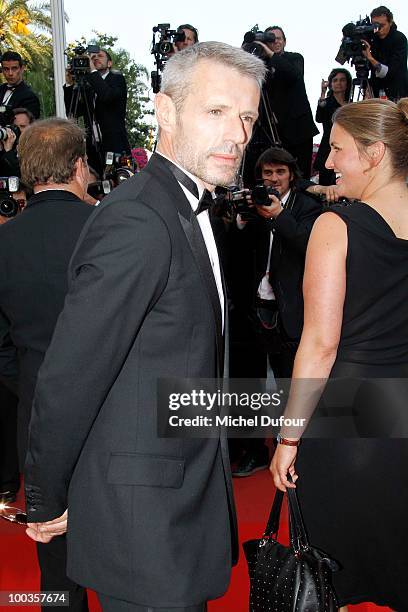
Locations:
(289, 578)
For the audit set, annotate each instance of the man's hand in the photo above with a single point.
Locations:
(325, 85)
(367, 52)
(332, 193)
(91, 62)
(69, 79)
(272, 211)
(11, 139)
(268, 51)
(44, 532)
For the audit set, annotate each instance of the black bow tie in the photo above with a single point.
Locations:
(11, 87)
(206, 199)
(205, 202)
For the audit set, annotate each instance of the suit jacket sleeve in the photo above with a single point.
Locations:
(31, 102)
(8, 357)
(109, 90)
(284, 69)
(116, 275)
(397, 60)
(296, 230)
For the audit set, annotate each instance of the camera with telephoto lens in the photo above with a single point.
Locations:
(118, 168)
(9, 207)
(79, 62)
(163, 43)
(352, 44)
(252, 37)
(6, 121)
(3, 132)
(234, 201)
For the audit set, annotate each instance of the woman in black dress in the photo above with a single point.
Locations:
(354, 491)
(338, 87)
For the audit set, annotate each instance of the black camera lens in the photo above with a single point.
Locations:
(260, 195)
(8, 207)
(165, 47)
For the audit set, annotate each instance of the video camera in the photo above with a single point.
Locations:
(162, 46)
(118, 169)
(79, 61)
(235, 201)
(352, 44)
(252, 37)
(9, 207)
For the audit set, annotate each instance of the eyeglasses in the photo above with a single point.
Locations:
(13, 514)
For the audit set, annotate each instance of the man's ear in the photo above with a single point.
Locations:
(110, 64)
(165, 110)
(81, 170)
(375, 153)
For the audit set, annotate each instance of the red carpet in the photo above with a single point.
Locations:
(18, 567)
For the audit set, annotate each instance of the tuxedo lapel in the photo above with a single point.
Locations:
(158, 166)
(195, 238)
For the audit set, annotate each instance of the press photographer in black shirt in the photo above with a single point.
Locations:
(9, 164)
(388, 57)
(106, 93)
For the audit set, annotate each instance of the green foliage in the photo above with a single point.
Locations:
(42, 82)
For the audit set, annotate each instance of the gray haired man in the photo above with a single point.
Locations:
(151, 520)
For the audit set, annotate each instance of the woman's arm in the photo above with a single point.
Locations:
(324, 290)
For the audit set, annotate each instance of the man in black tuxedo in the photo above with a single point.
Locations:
(35, 249)
(106, 93)
(276, 242)
(151, 520)
(387, 56)
(286, 97)
(15, 93)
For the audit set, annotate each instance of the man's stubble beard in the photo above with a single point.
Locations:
(196, 161)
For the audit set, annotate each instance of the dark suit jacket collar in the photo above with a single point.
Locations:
(53, 194)
(21, 85)
(158, 167)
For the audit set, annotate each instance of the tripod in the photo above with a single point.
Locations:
(265, 135)
(360, 87)
(81, 105)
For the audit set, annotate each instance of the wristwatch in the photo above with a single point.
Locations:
(286, 442)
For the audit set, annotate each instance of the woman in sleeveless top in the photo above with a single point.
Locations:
(354, 491)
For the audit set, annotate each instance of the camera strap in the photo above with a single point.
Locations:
(288, 205)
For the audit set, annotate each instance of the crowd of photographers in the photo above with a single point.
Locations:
(261, 225)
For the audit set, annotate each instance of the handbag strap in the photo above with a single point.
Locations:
(298, 535)
(272, 526)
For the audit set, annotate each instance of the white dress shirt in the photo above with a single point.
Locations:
(206, 230)
(265, 291)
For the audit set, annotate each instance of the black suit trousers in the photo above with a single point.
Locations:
(52, 559)
(109, 604)
(9, 472)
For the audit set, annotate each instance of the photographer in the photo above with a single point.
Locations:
(286, 96)
(338, 88)
(387, 55)
(15, 93)
(106, 95)
(191, 36)
(9, 164)
(276, 242)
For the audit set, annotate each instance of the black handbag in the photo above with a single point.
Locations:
(289, 578)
